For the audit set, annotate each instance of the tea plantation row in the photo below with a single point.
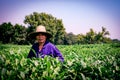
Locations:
(82, 62)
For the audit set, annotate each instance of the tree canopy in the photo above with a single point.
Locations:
(17, 34)
(52, 24)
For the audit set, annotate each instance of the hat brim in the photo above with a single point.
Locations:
(34, 34)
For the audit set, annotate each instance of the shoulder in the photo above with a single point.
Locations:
(34, 45)
(49, 44)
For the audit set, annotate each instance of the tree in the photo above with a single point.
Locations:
(6, 32)
(19, 34)
(59, 36)
(52, 24)
(70, 39)
(80, 39)
(90, 37)
(101, 36)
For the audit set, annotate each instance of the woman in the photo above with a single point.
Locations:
(43, 47)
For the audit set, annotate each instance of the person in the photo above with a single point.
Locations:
(43, 46)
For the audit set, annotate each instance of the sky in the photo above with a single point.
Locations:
(78, 16)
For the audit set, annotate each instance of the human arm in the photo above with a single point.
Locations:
(57, 53)
(31, 53)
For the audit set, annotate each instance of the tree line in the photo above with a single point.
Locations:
(18, 34)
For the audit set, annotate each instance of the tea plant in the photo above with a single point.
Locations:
(82, 62)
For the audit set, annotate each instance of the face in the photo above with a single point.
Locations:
(41, 38)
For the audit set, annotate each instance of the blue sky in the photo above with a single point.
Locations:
(78, 16)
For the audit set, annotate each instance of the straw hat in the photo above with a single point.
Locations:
(40, 29)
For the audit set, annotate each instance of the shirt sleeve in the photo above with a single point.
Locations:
(31, 53)
(58, 54)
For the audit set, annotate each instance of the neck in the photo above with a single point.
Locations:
(41, 44)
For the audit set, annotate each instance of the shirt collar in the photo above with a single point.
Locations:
(46, 42)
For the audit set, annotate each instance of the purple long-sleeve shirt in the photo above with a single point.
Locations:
(48, 49)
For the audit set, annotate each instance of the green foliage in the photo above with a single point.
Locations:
(18, 34)
(70, 39)
(12, 34)
(52, 24)
(82, 62)
(6, 32)
(100, 37)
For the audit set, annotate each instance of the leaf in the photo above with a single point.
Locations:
(83, 76)
(3, 71)
(69, 63)
(44, 73)
(33, 69)
(56, 70)
(36, 63)
(1, 59)
(22, 74)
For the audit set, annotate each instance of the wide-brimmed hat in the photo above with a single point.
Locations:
(40, 29)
